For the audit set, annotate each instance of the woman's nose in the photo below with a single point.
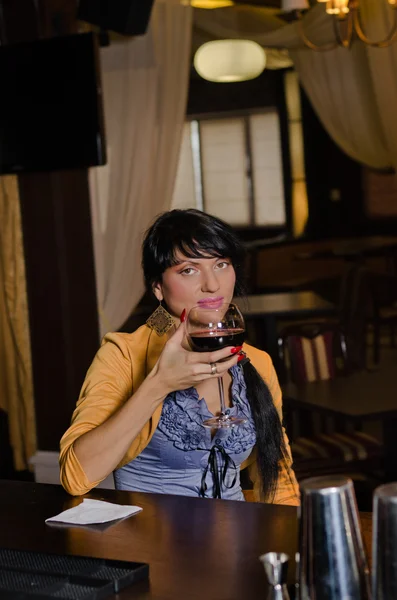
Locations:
(210, 283)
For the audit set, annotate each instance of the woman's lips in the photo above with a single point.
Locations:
(211, 302)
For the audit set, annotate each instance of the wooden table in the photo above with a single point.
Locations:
(196, 548)
(351, 249)
(364, 396)
(266, 309)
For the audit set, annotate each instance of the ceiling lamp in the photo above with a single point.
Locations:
(226, 61)
(347, 24)
(210, 3)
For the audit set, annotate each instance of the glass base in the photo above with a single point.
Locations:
(223, 422)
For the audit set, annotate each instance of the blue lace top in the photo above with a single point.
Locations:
(176, 460)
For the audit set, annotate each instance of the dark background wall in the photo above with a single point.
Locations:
(207, 97)
(329, 170)
(334, 182)
(58, 252)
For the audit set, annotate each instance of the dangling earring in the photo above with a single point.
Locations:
(161, 321)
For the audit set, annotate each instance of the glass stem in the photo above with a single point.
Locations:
(222, 396)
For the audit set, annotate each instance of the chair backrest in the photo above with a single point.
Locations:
(355, 307)
(311, 352)
(311, 359)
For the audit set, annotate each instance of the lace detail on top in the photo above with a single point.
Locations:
(183, 414)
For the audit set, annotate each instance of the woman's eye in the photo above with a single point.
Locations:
(222, 265)
(187, 271)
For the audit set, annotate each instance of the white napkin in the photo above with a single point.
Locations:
(94, 511)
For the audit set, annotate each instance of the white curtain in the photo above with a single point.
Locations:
(241, 21)
(378, 21)
(338, 84)
(354, 92)
(145, 83)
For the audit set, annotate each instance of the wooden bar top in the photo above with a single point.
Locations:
(196, 548)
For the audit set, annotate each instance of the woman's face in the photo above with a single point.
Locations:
(206, 282)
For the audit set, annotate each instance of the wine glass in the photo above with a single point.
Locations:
(212, 327)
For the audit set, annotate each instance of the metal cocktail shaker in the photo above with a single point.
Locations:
(384, 543)
(333, 564)
(276, 569)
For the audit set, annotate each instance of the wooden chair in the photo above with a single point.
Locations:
(385, 299)
(322, 443)
(356, 310)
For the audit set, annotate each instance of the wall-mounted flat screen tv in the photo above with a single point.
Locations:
(51, 115)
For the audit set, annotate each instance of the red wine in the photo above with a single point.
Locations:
(207, 341)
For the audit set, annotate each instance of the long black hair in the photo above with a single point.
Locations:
(196, 234)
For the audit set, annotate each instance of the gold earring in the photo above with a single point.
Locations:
(160, 321)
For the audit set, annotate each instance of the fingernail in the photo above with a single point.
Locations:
(240, 357)
(183, 316)
(235, 349)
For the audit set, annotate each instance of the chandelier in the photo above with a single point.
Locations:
(347, 23)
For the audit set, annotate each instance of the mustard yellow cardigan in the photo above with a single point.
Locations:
(117, 371)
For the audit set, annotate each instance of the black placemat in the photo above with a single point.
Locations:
(42, 576)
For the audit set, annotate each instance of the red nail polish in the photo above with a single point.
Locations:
(183, 315)
(235, 349)
(240, 357)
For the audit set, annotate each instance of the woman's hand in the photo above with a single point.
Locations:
(179, 369)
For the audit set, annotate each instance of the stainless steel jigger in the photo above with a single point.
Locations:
(333, 564)
(384, 543)
(276, 569)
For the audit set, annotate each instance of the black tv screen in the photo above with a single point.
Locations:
(51, 114)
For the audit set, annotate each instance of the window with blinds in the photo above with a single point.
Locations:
(224, 170)
(267, 169)
(232, 168)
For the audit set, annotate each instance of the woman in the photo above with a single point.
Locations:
(145, 396)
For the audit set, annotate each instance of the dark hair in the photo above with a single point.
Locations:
(196, 235)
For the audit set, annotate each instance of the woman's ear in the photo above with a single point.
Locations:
(157, 291)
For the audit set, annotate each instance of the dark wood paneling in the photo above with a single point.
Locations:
(61, 293)
(380, 201)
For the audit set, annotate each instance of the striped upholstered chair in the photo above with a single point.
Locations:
(321, 443)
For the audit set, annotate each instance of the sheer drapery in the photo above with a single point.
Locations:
(262, 25)
(354, 92)
(145, 83)
(16, 379)
(378, 21)
(241, 21)
(365, 79)
(338, 84)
